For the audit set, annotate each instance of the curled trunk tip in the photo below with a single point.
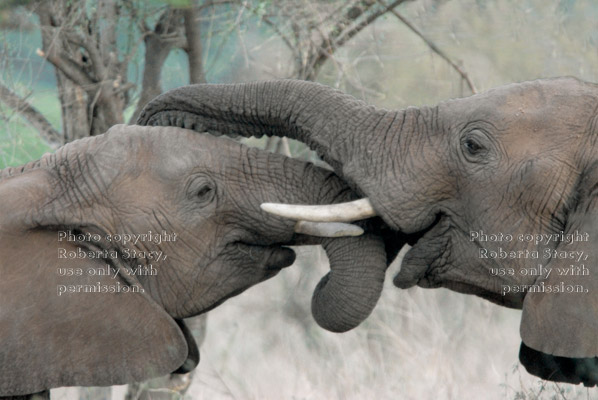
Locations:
(347, 295)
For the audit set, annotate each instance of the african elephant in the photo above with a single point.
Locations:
(454, 179)
(81, 304)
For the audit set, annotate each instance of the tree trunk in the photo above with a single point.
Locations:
(89, 75)
(73, 98)
(158, 44)
(193, 47)
(73, 107)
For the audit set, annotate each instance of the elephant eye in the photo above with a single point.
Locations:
(204, 192)
(201, 190)
(473, 146)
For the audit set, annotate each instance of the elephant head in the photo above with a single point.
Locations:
(479, 186)
(106, 244)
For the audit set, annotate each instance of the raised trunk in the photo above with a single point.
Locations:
(324, 118)
(355, 139)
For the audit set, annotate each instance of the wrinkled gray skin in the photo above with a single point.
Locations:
(137, 179)
(518, 159)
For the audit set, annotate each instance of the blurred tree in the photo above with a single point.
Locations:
(314, 30)
(81, 40)
(92, 44)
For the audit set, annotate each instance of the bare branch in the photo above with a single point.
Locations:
(69, 68)
(436, 50)
(346, 36)
(338, 35)
(34, 117)
(353, 13)
(272, 25)
(92, 50)
(207, 4)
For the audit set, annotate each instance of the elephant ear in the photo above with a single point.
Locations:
(50, 337)
(560, 329)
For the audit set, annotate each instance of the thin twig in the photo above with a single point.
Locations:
(272, 25)
(436, 50)
(342, 39)
(32, 115)
(336, 38)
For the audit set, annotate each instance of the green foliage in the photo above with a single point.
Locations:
(7, 4)
(172, 3)
(19, 145)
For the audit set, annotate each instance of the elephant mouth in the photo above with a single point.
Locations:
(420, 265)
(413, 238)
(267, 258)
(257, 262)
(433, 262)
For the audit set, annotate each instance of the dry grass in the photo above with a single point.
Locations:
(417, 344)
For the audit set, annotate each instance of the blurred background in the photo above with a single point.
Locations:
(73, 68)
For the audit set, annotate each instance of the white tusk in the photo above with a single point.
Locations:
(342, 212)
(327, 229)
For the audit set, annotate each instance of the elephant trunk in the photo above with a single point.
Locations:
(354, 138)
(349, 292)
(323, 118)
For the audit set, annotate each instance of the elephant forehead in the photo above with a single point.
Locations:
(171, 150)
(161, 139)
(531, 117)
(542, 101)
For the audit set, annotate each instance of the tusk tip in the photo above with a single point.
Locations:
(268, 207)
(328, 229)
(274, 209)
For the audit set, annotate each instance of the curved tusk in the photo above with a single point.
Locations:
(341, 212)
(327, 229)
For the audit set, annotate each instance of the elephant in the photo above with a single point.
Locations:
(110, 242)
(490, 190)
